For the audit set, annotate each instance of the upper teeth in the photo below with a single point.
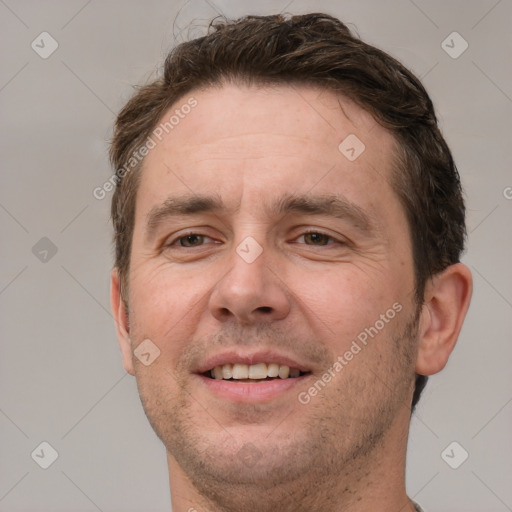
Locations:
(253, 371)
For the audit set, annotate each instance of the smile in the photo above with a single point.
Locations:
(253, 372)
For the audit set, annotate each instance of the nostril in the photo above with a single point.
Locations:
(265, 309)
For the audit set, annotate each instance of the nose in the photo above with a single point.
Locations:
(250, 292)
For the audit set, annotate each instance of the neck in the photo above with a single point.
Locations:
(375, 481)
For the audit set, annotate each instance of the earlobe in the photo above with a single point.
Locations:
(447, 298)
(121, 320)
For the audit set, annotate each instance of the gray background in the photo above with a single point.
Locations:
(61, 377)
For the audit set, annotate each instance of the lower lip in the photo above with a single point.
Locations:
(251, 392)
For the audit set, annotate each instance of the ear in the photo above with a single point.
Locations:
(447, 298)
(121, 319)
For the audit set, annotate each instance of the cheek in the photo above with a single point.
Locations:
(164, 304)
(341, 304)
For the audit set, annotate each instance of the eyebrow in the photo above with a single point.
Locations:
(178, 207)
(327, 205)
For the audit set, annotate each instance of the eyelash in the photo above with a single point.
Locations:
(316, 232)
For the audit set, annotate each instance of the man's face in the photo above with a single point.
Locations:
(273, 276)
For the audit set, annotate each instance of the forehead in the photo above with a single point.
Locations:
(267, 137)
(307, 113)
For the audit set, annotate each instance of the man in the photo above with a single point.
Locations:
(288, 227)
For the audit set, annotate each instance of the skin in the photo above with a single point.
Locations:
(306, 296)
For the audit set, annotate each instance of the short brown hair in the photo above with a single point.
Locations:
(318, 50)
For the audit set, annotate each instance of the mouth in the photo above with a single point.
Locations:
(258, 377)
(254, 373)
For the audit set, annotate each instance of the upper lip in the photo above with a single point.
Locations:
(239, 357)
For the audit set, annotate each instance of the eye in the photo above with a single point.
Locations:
(317, 238)
(189, 240)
